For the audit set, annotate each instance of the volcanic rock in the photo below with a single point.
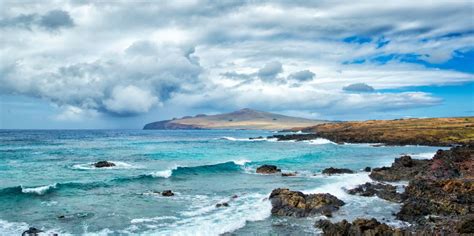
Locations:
(384, 191)
(102, 164)
(268, 169)
(167, 193)
(332, 171)
(294, 203)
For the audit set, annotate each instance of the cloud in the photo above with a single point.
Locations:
(304, 99)
(56, 19)
(358, 87)
(52, 20)
(130, 100)
(270, 70)
(304, 75)
(126, 83)
(180, 54)
(72, 113)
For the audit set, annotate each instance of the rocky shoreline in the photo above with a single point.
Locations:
(438, 200)
(429, 132)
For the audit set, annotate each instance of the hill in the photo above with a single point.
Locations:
(241, 119)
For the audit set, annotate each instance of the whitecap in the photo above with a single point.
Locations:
(368, 207)
(209, 220)
(17, 228)
(118, 165)
(319, 141)
(424, 155)
(38, 190)
(241, 162)
(153, 219)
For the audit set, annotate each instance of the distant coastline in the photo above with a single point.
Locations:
(427, 131)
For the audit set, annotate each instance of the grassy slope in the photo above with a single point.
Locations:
(435, 131)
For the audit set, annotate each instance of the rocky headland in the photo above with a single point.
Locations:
(430, 131)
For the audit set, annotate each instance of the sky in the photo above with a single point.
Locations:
(120, 64)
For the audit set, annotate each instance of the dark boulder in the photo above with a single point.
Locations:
(102, 164)
(384, 191)
(225, 204)
(289, 174)
(332, 171)
(367, 169)
(294, 203)
(363, 227)
(259, 137)
(32, 231)
(167, 193)
(268, 169)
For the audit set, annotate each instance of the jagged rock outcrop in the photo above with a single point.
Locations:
(404, 168)
(384, 191)
(359, 227)
(294, 203)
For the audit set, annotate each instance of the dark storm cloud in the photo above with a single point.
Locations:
(51, 20)
(358, 87)
(304, 75)
(270, 70)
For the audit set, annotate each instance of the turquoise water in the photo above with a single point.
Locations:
(48, 174)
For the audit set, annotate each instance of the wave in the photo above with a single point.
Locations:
(246, 139)
(45, 189)
(230, 166)
(41, 190)
(319, 141)
(424, 155)
(90, 166)
(178, 171)
(370, 207)
(206, 219)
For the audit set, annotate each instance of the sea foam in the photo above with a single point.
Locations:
(90, 166)
(38, 190)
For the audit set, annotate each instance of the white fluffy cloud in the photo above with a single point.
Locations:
(130, 100)
(103, 57)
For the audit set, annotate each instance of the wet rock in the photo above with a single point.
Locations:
(167, 193)
(294, 203)
(384, 191)
(259, 137)
(32, 231)
(102, 164)
(289, 174)
(268, 169)
(466, 225)
(437, 197)
(458, 162)
(332, 171)
(363, 227)
(225, 204)
(404, 168)
(367, 169)
(235, 196)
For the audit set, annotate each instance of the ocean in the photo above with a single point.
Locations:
(47, 181)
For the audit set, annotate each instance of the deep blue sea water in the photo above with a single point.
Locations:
(48, 174)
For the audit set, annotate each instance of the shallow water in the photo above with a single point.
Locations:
(47, 181)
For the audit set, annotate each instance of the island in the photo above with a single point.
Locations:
(242, 119)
